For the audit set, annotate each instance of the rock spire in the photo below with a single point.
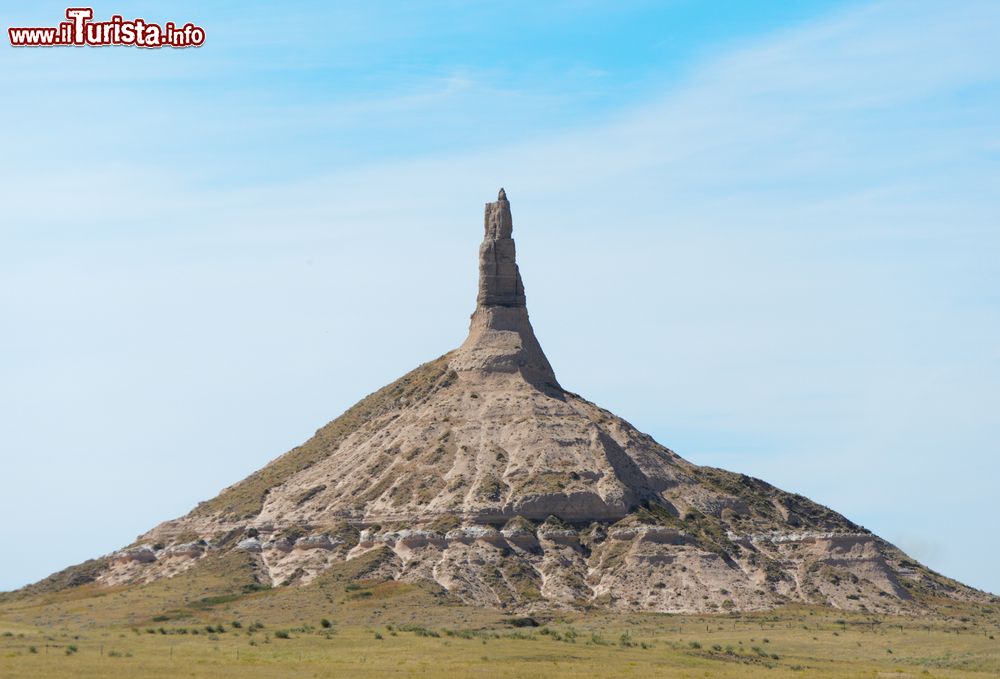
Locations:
(499, 279)
(501, 339)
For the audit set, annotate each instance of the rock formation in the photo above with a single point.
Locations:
(479, 472)
(499, 278)
(501, 339)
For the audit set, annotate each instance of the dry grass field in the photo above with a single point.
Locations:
(207, 624)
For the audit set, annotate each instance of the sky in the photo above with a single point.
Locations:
(765, 233)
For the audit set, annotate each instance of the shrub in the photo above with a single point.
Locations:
(32, 649)
(521, 635)
(326, 624)
(694, 644)
(255, 587)
(282, 634)
(378, 635)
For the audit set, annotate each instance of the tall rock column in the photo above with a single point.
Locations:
(501, 340)
(499, 279)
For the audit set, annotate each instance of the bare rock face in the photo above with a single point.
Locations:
(501, 340)
(499, 279)
(479, 471)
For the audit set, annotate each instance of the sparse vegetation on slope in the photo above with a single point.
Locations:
(245, 499)
(74, 576)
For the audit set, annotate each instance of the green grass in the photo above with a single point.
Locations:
(792, 643)
(205, 623)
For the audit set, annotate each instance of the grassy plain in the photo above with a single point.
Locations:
(210, 623)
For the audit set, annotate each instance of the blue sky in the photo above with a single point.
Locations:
(765, 233)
